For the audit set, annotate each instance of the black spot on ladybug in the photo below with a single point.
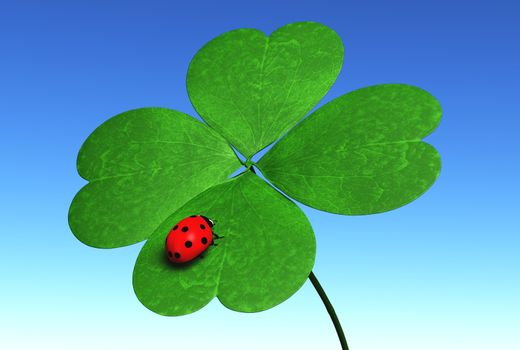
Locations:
(177, 255)
(169, 254)
(187, 244)
(193, 216)
(175, 227)
(184, 229)
(204, 240)
(202, 226)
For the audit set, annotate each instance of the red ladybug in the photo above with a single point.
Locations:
(189, 238)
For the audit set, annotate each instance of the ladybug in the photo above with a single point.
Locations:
(189, 238)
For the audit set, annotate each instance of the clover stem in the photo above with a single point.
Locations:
(330, 309)
(326, 302)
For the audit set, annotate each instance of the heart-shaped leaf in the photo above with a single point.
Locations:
(360, 153)
(266, 253)
(141, 166)
(252, 88)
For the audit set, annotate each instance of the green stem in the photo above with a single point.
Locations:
(328, 305)
(330, 309)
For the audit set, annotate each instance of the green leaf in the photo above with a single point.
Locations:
(360, 153)
(265, 256)
(141, 166)
(252, 88)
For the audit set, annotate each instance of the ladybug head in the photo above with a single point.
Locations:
(210, 222)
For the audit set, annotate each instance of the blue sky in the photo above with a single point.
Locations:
(441, 272)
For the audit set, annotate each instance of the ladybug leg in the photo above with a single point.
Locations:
(214, 234)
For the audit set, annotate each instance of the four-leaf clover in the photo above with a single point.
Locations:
(148, 168)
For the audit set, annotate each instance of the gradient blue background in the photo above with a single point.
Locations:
(439, 273)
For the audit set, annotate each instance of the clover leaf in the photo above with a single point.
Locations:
(266, 253)
(141, 166)
(149, 168)
(360, 153)
(252, 88)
